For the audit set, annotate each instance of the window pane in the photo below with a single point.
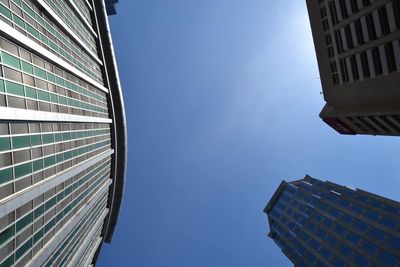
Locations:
(20, 141)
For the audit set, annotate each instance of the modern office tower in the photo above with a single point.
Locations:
(357, 44)
(62, 132)
(318, 223)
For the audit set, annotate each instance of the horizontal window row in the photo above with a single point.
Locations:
(21, 84)
(72, 205)
(71, 245)
(8, 100)
(32, 73)
(66, 84)
(21, 170)
(340, 10)
(336, 236)
(357, 223)
(73, 248)
(92, 246)
(37, 150)
(18, 128)
(371, 63)
(387, 221)
(17, 178)
(89, 41)
(20, 96)
(37, 217)
(367, 28)
(63, 251)
(41, 243)
(384, 124)
(40, 30)
(83, 6)
(24, 78)
(20, 212)
(19, 142)
(73, 21)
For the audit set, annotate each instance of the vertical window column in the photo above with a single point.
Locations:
(359, 67)
(396, 49)
(354, 34)
(349, 69)
(371, 64)
(391, 16)
(377, 23)
(384, 62)
(364, 28)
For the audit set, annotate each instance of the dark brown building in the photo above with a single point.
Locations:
(358, 50)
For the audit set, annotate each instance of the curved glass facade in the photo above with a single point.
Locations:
(62, 133)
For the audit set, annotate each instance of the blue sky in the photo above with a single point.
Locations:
(222, 100)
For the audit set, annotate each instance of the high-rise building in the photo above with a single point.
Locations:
(318, 223)
(357, 44)
(62, 132)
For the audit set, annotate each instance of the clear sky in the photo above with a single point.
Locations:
(222, 100)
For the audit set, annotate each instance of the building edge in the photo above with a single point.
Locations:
(119, 129)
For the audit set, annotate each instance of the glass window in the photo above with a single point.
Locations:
(20, 238)
(371, 215)
(19, 128)
(387, 258)
(23, 169)
(28, 80)
(356, 208)
(394, 242)
(346, 218)
(40, 73)
(6, 190)
(5, 159)
(337, 261)
(326, 253)
(331, 240)
(15, 102)
(369, 247)
(23, 183)
(376, 233)
(12, 48)
(31, 92)
(20, 141)
(21, 156)
(21, 211)
(314, 244)
(6, 234)
(389, 222)
(339, 229)
(11, 60)
(6, 220)
(345, 249)
(5, 251)
(344, 203)
(27, 67)
(14, 88)
(23, 249)
(4, 128)
(35, 140)
(360, 225)
(43, 96)
(352, 238)
(12, 74)
(360, 260)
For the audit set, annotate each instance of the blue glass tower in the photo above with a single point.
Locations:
(318, 223)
